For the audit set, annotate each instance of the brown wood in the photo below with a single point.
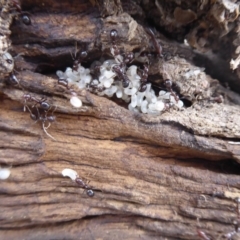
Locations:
(159, 177)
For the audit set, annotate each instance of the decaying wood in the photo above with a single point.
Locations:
(164, 177)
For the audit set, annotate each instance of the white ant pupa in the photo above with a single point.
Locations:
(76, 102)
(4, 173)
(67, 172)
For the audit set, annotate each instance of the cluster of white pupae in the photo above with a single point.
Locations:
(106, 85)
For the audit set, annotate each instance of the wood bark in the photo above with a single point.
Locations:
(165, 177)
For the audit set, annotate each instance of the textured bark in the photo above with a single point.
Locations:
(159, 177)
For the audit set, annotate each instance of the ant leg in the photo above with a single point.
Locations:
(45, 130)
(49, 124)
(54, 109)
(17, 56)
(33, 116)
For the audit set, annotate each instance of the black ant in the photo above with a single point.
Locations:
(128, 57)
(167, 106)
(114, 36)
(118, 69)
(43, 119)
(83, 185)
(95, 69)
(78, 57)
(64, 82)
(15, 4)
(42, 102)
(143, 80)
(168, 84)
(93, 87)
(157, 45)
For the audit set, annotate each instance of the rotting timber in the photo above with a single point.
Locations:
(165, 177)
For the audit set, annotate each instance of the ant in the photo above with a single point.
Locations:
(127, 57)
(114, 35)
(16, 5)
(157, 45)
(95, 69)
(118, 69)
(78, 57)
(93, 87)
(67, 172)
(83, 185)
(42, 102)
(168, 84)
(144, 76)
(43, 118)
(167, 106)
(64, 82)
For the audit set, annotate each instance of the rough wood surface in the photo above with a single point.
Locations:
(162, 177)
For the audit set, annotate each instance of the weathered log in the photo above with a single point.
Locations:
(164, 177)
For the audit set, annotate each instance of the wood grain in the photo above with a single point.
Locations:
(154, 177)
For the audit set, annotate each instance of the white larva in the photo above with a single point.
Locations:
(76, 102)
(67, 172)
(4, 173)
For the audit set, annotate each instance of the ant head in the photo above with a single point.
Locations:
(90, 192)
(125, 83)
(129, 57)
(117, 68)
(168, 83)
(27, 97)
(26, 20)
(83, 54)
(113, 35)
(143, 88)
